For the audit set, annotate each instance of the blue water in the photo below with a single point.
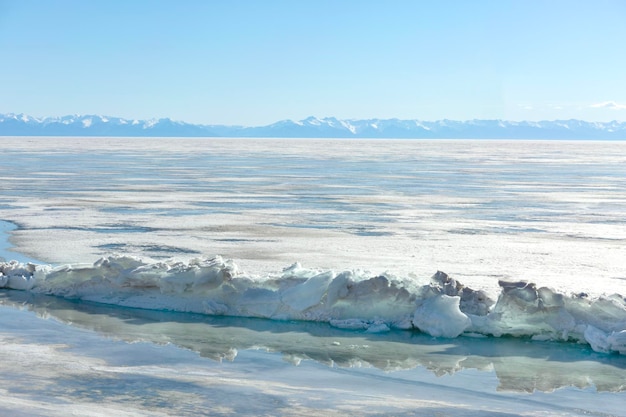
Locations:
(6, 253)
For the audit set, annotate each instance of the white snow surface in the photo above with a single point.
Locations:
(349, 299)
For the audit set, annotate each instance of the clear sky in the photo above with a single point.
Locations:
(259, 61)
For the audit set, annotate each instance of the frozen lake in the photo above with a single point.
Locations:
(549, 212)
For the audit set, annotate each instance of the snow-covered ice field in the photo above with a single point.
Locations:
(369, 223)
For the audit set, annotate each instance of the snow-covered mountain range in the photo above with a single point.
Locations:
(313, 127)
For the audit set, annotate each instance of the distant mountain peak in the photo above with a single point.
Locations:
(12, 124)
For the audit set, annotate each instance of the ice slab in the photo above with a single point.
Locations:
(349, 299)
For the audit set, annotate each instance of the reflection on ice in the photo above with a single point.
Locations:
(520, 365)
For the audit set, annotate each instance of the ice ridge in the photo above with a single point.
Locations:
(351, 299)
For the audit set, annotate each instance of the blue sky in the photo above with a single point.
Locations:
(257, 62)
